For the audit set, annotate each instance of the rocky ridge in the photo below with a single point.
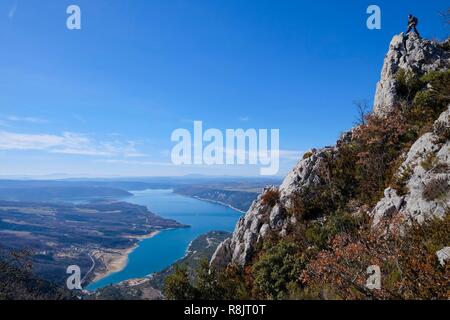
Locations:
(405, 52)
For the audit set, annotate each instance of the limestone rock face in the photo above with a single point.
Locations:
(222, 256)
(427, 161)
(308, 173)
(410, 53)
(262, 217)
(390, 205)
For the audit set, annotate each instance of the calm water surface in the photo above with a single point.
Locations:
(156, 253)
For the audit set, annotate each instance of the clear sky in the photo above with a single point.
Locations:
(104, 100)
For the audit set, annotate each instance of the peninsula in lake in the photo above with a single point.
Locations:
(97, 236)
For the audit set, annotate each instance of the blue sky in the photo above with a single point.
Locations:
(104, 100)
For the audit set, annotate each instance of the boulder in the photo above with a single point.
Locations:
(443, 255)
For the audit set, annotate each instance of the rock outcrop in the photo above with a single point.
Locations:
(406, 52)
(410, 53)
(443, 255)
(427, 162)
(264, 217)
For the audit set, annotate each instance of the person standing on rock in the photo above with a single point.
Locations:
(412, 25)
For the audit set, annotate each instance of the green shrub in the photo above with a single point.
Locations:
(206, 283)
(426, 100)
(312, 202)
(408, 84)
(319, 234)
(429, 102)
(437, 96)
(177, 286)
(277, 268)
(343, 223)
(316, 234)
(307, 155)
(439, 80)
(434, 233)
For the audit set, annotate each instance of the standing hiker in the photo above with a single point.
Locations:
(412, 25)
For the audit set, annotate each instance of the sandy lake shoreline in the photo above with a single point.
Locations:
(115, 260)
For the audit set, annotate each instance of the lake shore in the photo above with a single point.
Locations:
(156, 254)
(219, 203)
(115, 260)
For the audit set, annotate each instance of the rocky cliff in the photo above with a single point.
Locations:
(411, 54)
(263, 216)
(424, 166)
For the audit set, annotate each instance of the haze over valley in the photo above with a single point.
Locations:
(89, 223)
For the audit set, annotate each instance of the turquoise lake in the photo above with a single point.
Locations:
(156, 253)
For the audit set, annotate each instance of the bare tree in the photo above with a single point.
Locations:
(363, 110)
